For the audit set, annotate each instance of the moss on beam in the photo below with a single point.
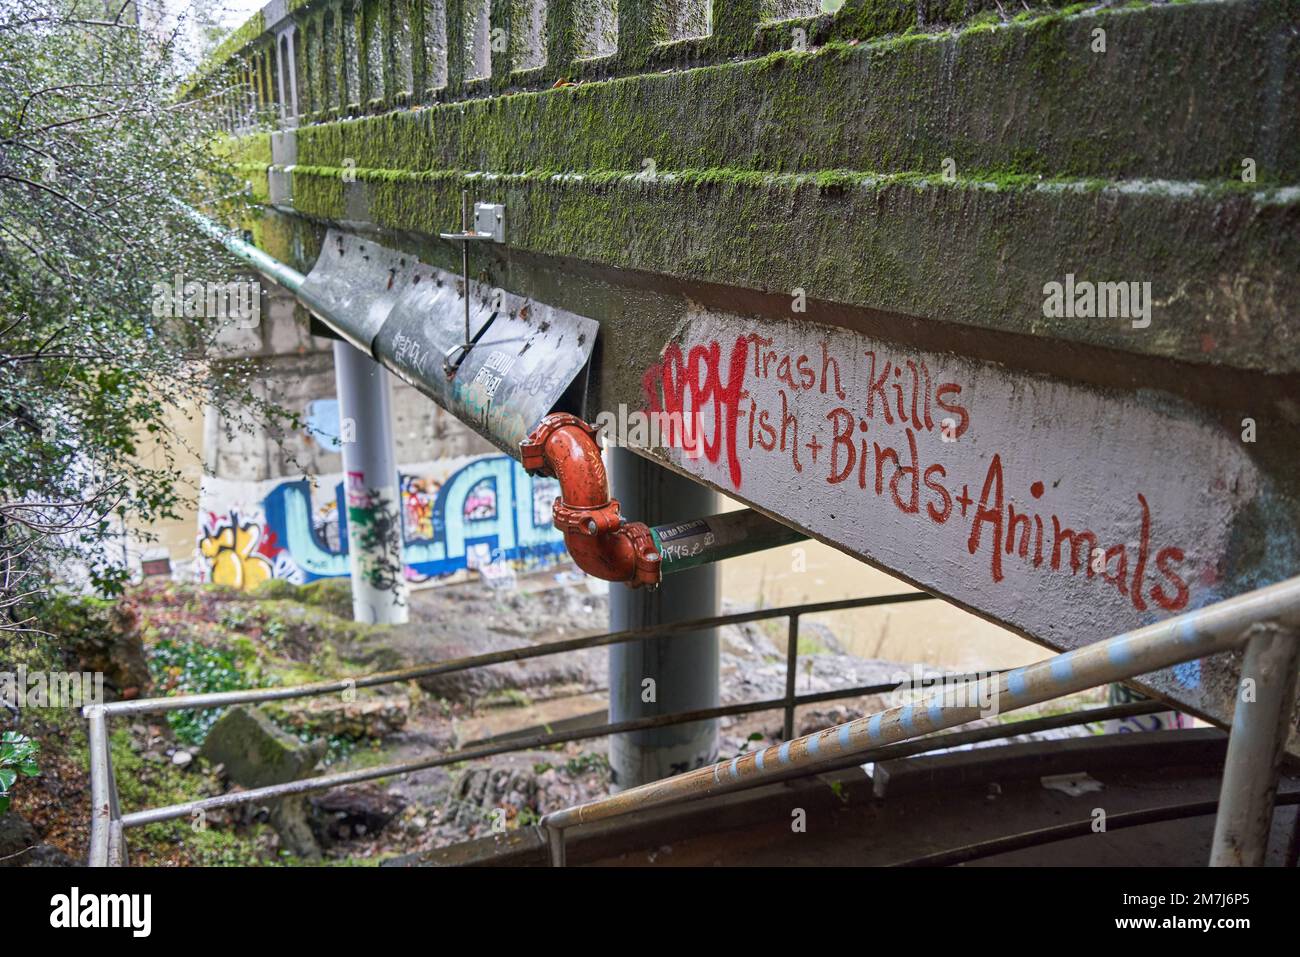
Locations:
(241, 37)
(1028, 95)
(977, 252)
(251, 148)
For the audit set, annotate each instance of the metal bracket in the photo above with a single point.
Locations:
(490, 219)
(489, 226)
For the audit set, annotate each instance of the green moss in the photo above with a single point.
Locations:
(242, 36)
(251, 148)
(777, 149)
(142, 783)
(863, 19)
(879, 241)
(784, 112)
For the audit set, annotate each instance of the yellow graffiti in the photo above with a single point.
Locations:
(418, 495)
(230, 556)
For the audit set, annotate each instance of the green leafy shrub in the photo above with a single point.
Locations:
(17, 757)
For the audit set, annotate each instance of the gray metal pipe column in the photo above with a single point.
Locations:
(678, 673)
(379, 590)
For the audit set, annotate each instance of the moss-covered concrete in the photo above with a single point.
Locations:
(1029, 97)
(973, 252)
(584, 40)
(824, 170)
(243, 36)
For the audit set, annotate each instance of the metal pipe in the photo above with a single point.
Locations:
(101, 812)
(374, 533)
(269, 266)
(278, 272)
(1265, 700)
(555, 841)
(702, 541)
(601, 543)
(117, 851)
(464, 256)
(599, 540)
(604, 544)
(674, 629)
(486, 751)
(1192, 635)
(953, 739)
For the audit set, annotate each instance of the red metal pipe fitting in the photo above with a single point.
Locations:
(600, 541)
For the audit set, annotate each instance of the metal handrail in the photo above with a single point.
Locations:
(670, 630)
(1051, 833)
(107, 840)
(1267, 621)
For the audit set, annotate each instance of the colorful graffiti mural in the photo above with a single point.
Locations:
(457, 515)
(227, 548)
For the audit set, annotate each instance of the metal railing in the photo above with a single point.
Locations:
(320, 60)
(1266, 622)
(108, 824)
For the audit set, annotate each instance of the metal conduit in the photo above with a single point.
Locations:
(678, 547)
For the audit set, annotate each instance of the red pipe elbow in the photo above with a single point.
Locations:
(599, 540)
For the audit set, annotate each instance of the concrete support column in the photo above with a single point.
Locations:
(379, 589)
(683, 669)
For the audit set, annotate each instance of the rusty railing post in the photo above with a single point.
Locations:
(791, 673)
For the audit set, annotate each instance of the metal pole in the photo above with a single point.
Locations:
(379, 590)
(791, 673)
(101, 810)
(678, 629)
(464, 256)
(658, 677)
(1260, 724)
(702, 541)
(117, 853)
(555, 839)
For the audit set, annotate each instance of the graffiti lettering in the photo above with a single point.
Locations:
(485, 502)
(890, 417)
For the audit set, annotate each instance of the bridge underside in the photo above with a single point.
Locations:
(987, 307)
